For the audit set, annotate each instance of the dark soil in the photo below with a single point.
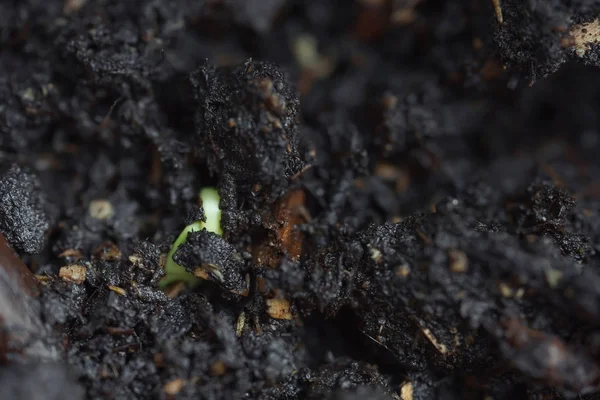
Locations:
(410, 193)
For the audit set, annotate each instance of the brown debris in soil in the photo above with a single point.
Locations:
(584, 36)
(172, 388)
(73, 273)
(289, 212)
(279, 309)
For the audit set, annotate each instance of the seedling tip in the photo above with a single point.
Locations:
(177, 273)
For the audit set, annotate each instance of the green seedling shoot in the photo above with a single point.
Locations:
(177, 273)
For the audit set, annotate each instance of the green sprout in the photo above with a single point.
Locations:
(177, 273)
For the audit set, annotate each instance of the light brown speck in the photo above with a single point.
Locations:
(73, 273)
(173, 387)
(101, 209)
(118, 290)
(279, 309)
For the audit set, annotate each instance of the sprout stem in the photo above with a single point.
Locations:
(210, 204)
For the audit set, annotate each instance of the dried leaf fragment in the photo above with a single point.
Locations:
(173, 387)
(498, 11)
(73, 273)
(101, 209)
(375, 254)
(118, 290)
(241, 322)
(43, 279)
(107, 251)
(71, 254)
(439, 346)
(584, 35)
(553, 277)
(403, 271)
(505, 290)
(286, 238)
(136, 260)
(406, 391)
(279, 309)
(289, 215)
(218, 368)
(458, 261)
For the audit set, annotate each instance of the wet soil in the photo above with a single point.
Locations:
(409, 192)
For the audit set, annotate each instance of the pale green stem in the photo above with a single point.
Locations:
(177, 273)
